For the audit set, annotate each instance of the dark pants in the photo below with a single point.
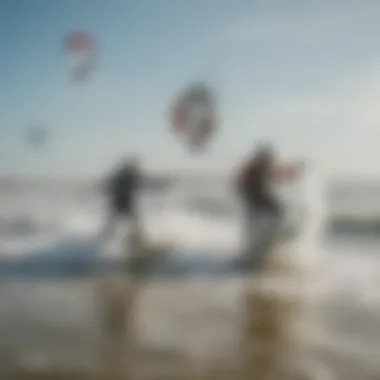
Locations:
(121, 205)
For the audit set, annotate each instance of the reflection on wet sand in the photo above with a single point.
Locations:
(266, 339)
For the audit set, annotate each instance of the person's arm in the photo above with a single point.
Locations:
(287, 172)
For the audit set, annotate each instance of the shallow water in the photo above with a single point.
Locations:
(198, 319)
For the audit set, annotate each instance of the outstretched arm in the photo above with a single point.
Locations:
(288, 172)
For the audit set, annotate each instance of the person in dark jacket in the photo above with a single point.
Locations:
(264, 212)
(122, 189)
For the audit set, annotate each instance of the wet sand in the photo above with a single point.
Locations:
(180, 329)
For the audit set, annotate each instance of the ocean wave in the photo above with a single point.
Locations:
(211, 206)
(354, 225)
(25, 226)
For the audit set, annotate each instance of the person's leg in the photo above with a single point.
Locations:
(248, 221)
(266, 231)
(249, 230)
(108, 228)
(115, 245)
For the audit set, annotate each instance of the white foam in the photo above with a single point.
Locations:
(174, 218)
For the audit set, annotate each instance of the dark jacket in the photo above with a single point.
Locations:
(254, 186)
(122, 189)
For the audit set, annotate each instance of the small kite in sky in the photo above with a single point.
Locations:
(193, 116)
(81, 50)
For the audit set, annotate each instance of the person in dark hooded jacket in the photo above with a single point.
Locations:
(264, 212)
(121, 190)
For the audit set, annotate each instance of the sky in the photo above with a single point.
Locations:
(304, 75)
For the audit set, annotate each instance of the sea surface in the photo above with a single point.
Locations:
(48, 315)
